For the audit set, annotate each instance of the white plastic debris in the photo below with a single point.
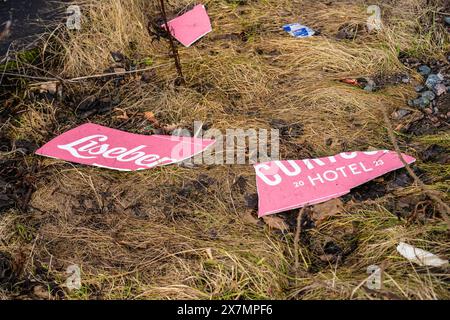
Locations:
(419, 256)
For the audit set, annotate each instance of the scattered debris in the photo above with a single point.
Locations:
(123, 115)
(374, 21)
(191, 26)
(377, 82)
(400, 114)
(353, 82)
(330, 175)
(298, 31)
(419, 256)
(362, 83)
(150, 117)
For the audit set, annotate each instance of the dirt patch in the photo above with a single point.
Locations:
(7, 275)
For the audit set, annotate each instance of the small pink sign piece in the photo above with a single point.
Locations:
(286, 185)
(191, 26)
(104, 147)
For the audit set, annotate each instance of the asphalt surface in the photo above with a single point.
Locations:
(28, 19)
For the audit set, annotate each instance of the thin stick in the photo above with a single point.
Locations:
(115, 73)
(297, 237)
(176, 57)
(83, 77)
(442, 207)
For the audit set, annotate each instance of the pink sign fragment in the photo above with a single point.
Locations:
(286, 185)
(191, 26)
(104, 147)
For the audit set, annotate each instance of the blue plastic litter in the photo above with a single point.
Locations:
(297, 30)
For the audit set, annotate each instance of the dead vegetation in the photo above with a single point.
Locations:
(181, 233)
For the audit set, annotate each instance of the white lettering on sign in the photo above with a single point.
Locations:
(91, 148)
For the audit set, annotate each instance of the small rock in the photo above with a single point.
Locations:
(187, 164)
(240, 183)
(433, 80)
(399, 114)
(148, 76)
(275, 222)
(421, 102)
(429, 95)
(406, 79)
(119, 70)
(42, 293)
(419, 88)
(181, 132)
(50, 87)
(440, 89)
(424, 70)
(25, 146)
(5, 202)
(251, 201)
(434, 119)
(447, 20)
(117, 56)
(87, 103)
(370, 86)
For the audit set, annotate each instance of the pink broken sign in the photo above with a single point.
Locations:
(191, 26)
(286, 185)
(104, 147)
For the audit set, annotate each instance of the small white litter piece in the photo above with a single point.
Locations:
(419, 256)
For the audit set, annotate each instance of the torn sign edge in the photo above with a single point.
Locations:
(171, 31)
(319, 199)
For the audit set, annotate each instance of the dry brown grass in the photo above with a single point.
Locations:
(136, 237)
